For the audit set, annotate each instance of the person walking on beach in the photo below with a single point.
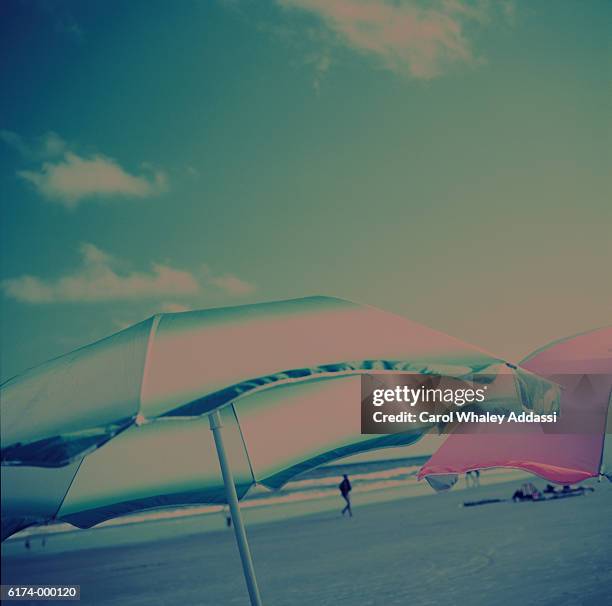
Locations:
(345, 488)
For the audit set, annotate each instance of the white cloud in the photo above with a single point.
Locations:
(68, 177)
(410, 38)
(74, 178)
(98, 279)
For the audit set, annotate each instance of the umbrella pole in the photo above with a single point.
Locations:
(232, 501)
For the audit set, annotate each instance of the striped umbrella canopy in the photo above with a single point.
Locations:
(576, 449)
(122, 424)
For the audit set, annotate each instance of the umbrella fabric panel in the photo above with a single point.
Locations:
(583, 366)
(498, 446)
(293, 428)
(32, 494)
(590, 354)
(154, 465)
(74, 403)
(203, 359)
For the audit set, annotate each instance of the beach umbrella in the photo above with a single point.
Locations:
(574, 449)
(123, 424)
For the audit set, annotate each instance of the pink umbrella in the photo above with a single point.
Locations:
(574, 450)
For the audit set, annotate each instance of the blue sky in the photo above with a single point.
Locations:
(445, 160)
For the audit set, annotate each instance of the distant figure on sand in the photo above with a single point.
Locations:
(472, 478)
(345, 487)
(226, 514)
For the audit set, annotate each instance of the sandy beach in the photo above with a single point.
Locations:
(422, 550)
